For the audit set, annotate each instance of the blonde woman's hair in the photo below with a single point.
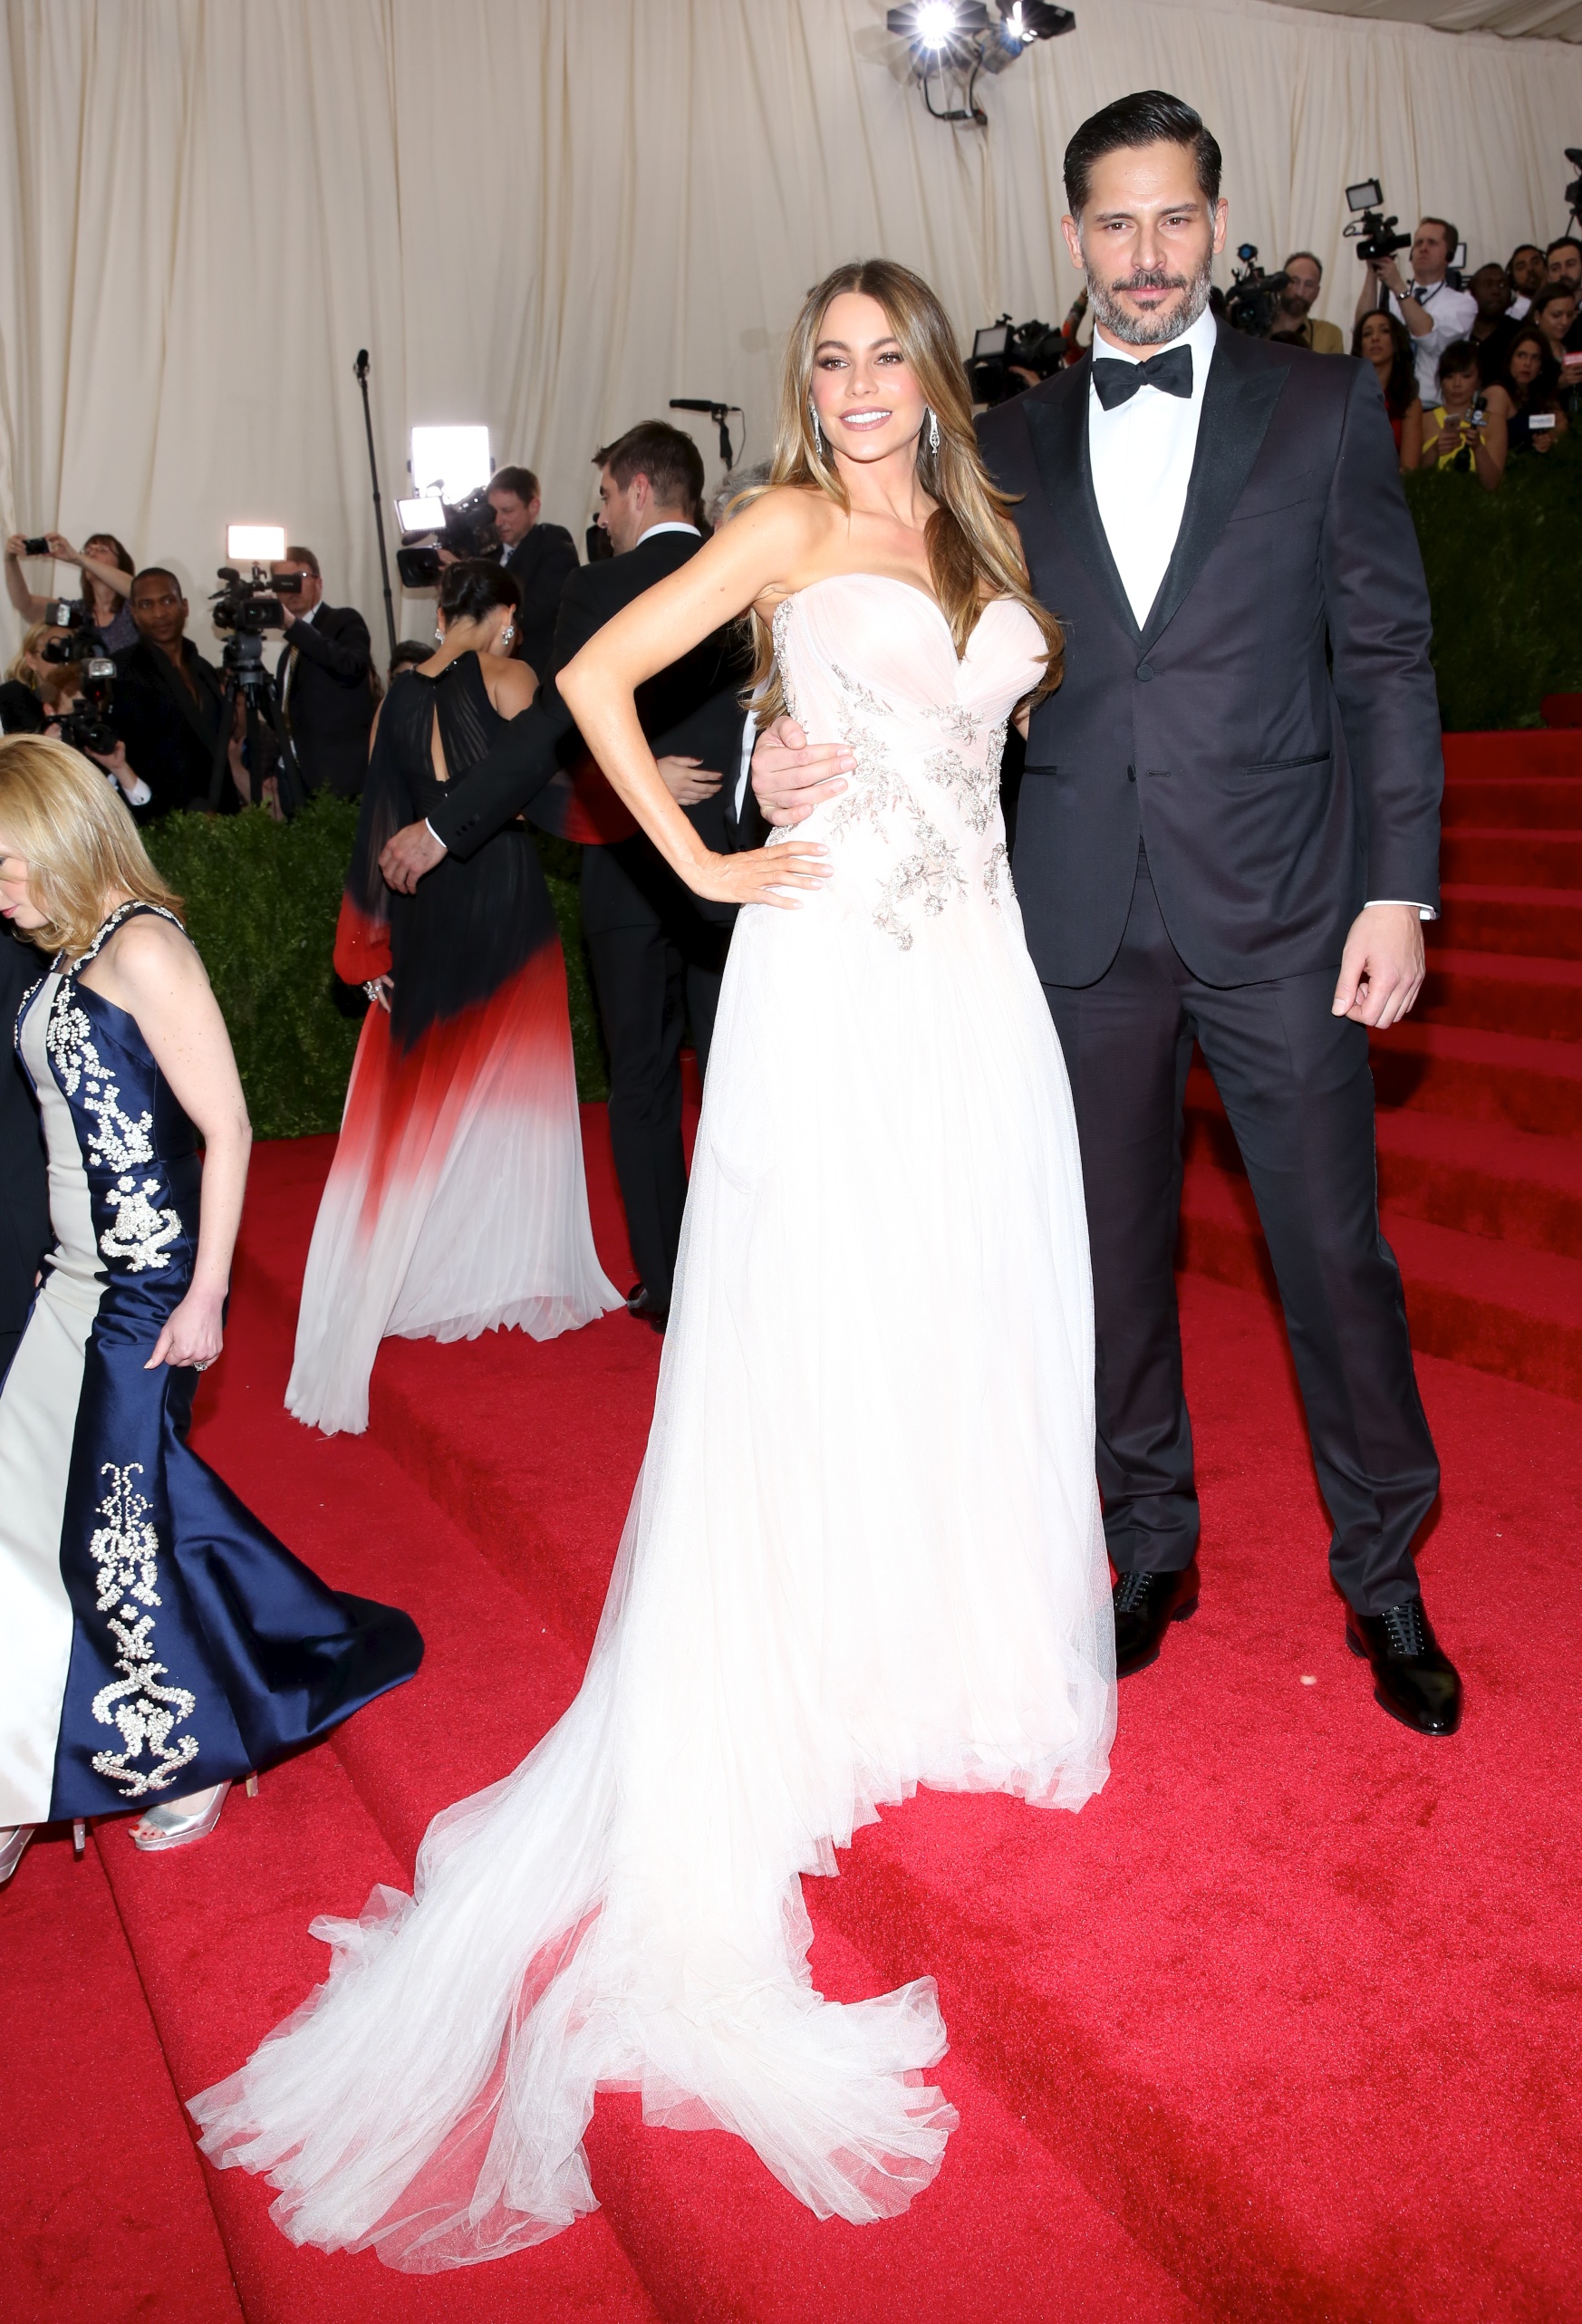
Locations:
(33, 637)
(974, 553)
(83, 850)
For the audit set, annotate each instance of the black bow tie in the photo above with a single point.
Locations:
(1171, 372)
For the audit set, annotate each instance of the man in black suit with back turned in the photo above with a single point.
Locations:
(658, 952)
(540, 559)
(325, 679)
(1228, 829)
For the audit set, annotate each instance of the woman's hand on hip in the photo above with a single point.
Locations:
(762, 874)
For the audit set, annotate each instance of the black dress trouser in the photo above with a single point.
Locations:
(652, 976)
(1295, 1082)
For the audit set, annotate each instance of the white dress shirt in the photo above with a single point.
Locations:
(1451, 316)
(1141, 454)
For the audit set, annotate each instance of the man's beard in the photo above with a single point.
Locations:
(1165, 324)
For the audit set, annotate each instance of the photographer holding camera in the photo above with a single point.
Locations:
(75, 700)
(325, 679)
(1435, 310)
(107, 571)
(168, 708)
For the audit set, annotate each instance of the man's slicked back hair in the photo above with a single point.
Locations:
(1147, 117)
(670, 460)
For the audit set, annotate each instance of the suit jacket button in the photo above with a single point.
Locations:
(1144, 672)
(1131, 774)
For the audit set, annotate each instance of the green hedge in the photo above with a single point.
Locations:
(261, 900)
(262, 896)
(1502, 576)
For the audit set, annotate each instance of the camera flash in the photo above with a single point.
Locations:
(257, 543)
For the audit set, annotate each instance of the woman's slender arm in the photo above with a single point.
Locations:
(151, 971)
(760, 553)
(109, 576)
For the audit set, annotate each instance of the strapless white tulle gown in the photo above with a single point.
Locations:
(863, 1553)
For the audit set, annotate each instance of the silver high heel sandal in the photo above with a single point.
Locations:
(176, 1823)
(12, 1847)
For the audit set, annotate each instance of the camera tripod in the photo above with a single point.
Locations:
(249, 683)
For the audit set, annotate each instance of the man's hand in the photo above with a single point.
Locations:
(413, 851)
(791, 776)
(688, 781)
(1381, 967)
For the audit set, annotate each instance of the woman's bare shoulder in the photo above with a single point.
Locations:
(511, 684)
(147, 954)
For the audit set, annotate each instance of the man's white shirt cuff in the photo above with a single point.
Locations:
(1423, 911)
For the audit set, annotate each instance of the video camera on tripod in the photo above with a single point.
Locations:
(245, 611)
(1252, 299)
(466, 529)
(1572, 195)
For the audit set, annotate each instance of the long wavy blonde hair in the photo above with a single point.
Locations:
(974, 552)
(81, 847)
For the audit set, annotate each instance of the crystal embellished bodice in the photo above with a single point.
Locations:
(917, 839)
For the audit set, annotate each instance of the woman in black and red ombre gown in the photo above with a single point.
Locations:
(456, 1202)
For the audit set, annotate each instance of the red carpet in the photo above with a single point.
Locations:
(1284, 2025)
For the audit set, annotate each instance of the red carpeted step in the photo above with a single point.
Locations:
(1474, 1076)
(1513, 802)
(106, 2214)
(1480, 1178)
(1534, 857)
(1495, 918)
(1523, 753)
(1500, 992)
(1475, 1301)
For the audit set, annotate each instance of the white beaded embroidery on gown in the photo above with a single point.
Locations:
(864, 1553)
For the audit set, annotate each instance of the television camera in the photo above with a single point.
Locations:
(1253, 295)
(467, 530)
(1373, 233)
(1002, 349)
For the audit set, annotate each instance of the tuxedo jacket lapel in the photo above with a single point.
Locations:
(1238, 406)
(1057, 426)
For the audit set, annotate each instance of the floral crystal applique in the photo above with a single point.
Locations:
(125, 1550)
(117, 1141)
(931, 874)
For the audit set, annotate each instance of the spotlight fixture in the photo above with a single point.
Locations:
(961, 39)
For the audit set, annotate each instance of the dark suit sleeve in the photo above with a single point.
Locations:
(527, 754)
(1376, 602)
(541, 594)
(345, 651)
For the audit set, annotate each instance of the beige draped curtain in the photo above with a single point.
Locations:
(551, 216)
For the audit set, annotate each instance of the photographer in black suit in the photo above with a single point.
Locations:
(1228, 830)
(325, 679)
(539, 558)
(658, 952)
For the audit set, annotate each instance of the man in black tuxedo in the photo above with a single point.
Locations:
(1228, 830)
(325, 679)
(658, 952)
(168, 708)
(540, 559)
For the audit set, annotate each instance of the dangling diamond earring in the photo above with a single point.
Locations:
(818, 445)
(934, 432)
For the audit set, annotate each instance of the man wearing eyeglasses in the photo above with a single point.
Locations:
(325, 677)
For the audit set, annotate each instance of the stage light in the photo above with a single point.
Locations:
(447, 463)
(256, 543)
(960, 39)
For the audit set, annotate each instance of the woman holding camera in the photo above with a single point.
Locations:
(107, 574)
(156, 1643)
(457, 1202)
(1465, 431)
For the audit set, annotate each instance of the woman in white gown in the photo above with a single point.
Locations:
(864, 1551)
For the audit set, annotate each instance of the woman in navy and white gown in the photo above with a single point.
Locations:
(155, 1641)
(865, 1552)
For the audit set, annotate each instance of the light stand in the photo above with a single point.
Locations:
(361, 368)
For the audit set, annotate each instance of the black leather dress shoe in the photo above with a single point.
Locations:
(1414, 1679)
(1145, 1607)
(640, 1303)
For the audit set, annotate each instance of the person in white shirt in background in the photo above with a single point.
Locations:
(1435, 311)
